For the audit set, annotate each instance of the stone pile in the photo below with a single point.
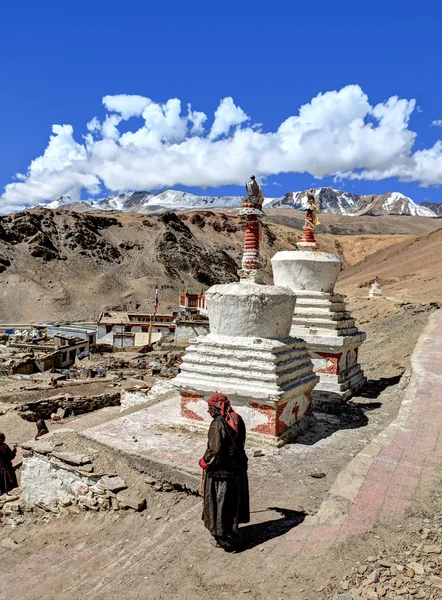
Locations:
(56, 481)
(415, 572)
(78, 405)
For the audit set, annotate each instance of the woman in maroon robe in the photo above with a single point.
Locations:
(226, 487)
(8, 480)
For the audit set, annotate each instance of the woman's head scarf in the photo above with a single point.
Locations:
(221, 402)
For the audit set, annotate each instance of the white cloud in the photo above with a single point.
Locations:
(226, 116)
(126, 105)
(437, 123)
(338, 133)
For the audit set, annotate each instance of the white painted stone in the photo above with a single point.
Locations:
(250, 310)
(45, 483)
(306, 270)
(129, 399)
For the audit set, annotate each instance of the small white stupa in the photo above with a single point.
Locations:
(375, 290)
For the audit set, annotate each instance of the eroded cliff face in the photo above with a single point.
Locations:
(63, 265)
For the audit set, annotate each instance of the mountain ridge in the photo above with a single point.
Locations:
(329, 200)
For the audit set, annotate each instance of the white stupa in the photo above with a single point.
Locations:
(321, 319)
(375, 290)
(250, 356)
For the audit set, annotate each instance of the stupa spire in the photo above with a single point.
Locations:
(251, 208)
(308, 239)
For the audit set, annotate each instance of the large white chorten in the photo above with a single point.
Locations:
(249, 356)
(321, 319)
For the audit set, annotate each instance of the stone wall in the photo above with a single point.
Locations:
(187, 330)
(162, 390)
(78, 404)
(43, 482)
(47, 482)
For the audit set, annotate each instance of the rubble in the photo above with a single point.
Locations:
(413, 572)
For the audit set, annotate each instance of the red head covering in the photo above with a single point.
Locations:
(221, 402)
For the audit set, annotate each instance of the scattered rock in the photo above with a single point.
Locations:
(432, 549)
(318, 475)
(374, 576)
(131, 499)
(417, 568)
(113, 484)
(436, 581)
(258, 452)
(8, 543)
(41, 447)
(72, 459)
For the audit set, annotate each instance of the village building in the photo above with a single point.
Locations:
(83, 331)
(37, 356)
(127, 329)
(192, 304)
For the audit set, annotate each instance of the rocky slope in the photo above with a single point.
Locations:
(408, 270)
(61, 265)
(330, 201)
(57, 264)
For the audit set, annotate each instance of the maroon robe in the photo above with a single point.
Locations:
(8, 479)
(226, 489)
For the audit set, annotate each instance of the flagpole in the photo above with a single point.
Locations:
(155, 308)
(150, 330)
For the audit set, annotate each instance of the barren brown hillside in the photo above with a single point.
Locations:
(61, 265)
(410, 270)
(346, 225)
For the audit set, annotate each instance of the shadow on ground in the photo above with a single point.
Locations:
(351, 415)
(258, 533)
(374, 387)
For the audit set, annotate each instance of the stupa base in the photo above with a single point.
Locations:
(333, 391)
(265, 424)
(268, 382)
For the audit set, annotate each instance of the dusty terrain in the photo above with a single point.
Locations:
(162, 552)
(410, 270)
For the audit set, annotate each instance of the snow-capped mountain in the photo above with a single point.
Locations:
(393, 203)
(329, 200)
(434, 206)
(176, 200)
(338, 202)
(125, 202)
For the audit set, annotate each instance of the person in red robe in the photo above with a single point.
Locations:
(8, 479)
(226, 488)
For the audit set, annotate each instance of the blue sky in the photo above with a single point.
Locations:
(60, 59)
